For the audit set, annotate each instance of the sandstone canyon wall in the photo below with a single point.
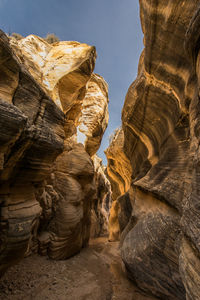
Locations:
(119, 173)
(49, 181)
(160, 120)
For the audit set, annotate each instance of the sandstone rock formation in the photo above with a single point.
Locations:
(66, 201)
(102, 201)
(160, 120)
(119, 173)
(94, 113)
(31, 138)
(75, 202)
(62, 69)
(46, 203)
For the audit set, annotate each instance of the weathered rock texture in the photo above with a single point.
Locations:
(94, 113)
(66, 201)
(46, 203)
(102, 201)
(62, 69)
(31, 137)
(119, 173)
(161, 120)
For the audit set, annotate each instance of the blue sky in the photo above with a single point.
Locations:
(113, 26)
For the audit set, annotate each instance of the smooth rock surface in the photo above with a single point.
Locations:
(102, 201)
(160, 120)
(31, 137)
(119, 173)
(94, 113)
(65, 223)
(62, 69)
(48, 182)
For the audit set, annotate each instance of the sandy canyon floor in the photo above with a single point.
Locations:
(96, 273)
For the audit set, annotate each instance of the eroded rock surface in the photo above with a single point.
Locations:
(102, 201)
(62, 69)
(94, 113)
(65, 223)
(160, 120)
(47, 179)
(119, 173)
(31, 137)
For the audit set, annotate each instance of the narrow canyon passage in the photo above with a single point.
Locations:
(94, 274)
(70, 226)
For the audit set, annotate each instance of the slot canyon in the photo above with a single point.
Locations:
(72, 228)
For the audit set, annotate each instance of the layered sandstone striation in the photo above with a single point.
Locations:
(63, 69)
(48, 180)
(94, 114)
(66, 199)
(32, 136)
(160, 120)
(102, 201)
(119, 174)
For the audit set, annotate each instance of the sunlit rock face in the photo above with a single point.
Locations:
(62, 69)
(160, 120)
(101, 203)
(93, 122)
(31, 137)
(119, 174)
(119, 169)
(48, 181)
(83, 191)
(94, 114)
